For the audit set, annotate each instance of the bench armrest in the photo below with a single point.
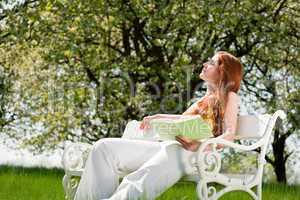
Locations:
(209, 162)
(215, 141)
(75, 155)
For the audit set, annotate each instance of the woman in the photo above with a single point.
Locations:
(152, 167)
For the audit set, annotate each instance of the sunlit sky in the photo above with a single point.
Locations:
(27, 159)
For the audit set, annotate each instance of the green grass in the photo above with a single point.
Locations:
(271, 191)
(18, 183)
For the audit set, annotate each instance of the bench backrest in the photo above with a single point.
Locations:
(252, 126)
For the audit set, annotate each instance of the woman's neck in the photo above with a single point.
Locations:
(211, 88)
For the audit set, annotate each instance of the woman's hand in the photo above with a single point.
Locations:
(145, 122)
(187, 143)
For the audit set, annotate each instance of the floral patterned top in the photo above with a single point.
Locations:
(208, 116)
(206, 112)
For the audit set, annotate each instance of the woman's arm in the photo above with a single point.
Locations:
(230, 118)
(169, 116)
(146, 120)
(157, 116)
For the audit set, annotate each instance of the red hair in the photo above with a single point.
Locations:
(212, 107)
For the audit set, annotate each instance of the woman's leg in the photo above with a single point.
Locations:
(156, 175)
(108, 158)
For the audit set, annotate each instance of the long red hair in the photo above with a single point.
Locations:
(212, 107)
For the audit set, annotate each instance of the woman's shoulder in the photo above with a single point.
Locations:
(234, 100)
(233, 96)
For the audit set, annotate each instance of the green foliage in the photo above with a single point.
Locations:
(87, 67)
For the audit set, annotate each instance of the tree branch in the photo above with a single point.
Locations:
(268, 159)
(288, 155)
(277, 11)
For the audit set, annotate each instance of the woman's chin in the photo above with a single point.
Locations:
(202, 77)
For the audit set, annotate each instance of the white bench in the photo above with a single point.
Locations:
(207, 165)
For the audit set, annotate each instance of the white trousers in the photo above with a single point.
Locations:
(151, 167)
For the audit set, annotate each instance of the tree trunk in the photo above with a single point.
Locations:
(279, 157)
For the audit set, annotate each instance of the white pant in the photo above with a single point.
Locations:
(151, 167)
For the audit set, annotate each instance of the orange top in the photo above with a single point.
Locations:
(208, 116)
(230, 115)
(204, 111)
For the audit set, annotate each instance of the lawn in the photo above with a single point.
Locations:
(18, 183)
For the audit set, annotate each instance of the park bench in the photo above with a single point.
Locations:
(256, 128)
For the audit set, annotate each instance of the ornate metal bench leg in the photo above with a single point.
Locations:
(66, 185)
(70, 185)
(259, 191)
(202, 190)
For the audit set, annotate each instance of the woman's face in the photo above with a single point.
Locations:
(210, 72)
